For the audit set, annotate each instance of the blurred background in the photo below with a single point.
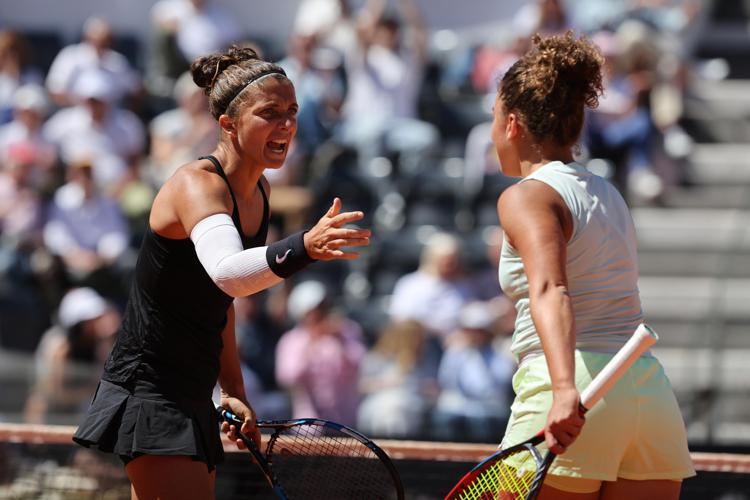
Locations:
(410, 341)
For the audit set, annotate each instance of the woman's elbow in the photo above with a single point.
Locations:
(548, 289)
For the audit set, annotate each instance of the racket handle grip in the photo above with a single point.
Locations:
(643, 338)
(229, 416)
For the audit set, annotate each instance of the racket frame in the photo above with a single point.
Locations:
(265, 461)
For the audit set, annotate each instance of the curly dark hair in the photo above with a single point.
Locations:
(550, 85)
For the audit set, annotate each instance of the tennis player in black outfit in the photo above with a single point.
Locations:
(204, 246)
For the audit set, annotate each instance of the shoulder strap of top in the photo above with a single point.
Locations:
(220, 171)
(266, 209)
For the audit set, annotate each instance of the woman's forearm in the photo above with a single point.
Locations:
(230, 373)
(552, 313)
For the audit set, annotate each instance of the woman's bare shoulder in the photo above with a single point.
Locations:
(192, 193)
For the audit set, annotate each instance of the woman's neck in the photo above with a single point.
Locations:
(243, 176)
(535, 156)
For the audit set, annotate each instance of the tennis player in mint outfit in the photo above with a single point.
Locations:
(569, 262)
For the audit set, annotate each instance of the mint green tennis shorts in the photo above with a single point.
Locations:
(635, 432)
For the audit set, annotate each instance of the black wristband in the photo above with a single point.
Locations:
(287, 256)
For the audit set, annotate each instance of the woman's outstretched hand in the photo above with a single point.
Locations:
(327, 238)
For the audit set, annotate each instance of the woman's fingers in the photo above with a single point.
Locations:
(561, 435)
(233, 434)
(325, 240)
(345, 218)
(349, 233)
(335, 207)
(248, 426)
(356, 242)
(338, 254)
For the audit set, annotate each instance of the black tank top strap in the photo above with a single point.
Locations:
(235, 210)
(263, 231)
(260, 237)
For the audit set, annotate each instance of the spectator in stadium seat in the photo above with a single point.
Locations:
(180, 134)
(319, 359)
(94, 52)
(622, 129)
(199, 27)
(69, 357)
(331, 21)
(15, 70)
(182, 30)
(398, 381)
(87, 230)
(20, 201)
(435, 293)
(384, 78)
(315, 71)
(475, 378)
(25, 136)
(111, 137)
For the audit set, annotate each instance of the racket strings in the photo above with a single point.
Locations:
(313, 461)
(507, 479)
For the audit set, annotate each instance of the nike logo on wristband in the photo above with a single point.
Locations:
(280, 260)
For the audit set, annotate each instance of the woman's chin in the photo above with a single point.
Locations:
(275, 165)
(275, 162)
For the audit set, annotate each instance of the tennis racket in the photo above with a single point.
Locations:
(316, 459)
(518, 472)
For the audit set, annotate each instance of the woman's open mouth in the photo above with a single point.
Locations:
(277, 147)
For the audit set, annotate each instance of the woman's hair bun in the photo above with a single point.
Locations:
(206, 69)
(550, 85)
(567, 67)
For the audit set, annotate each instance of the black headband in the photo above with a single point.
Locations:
(272, 71)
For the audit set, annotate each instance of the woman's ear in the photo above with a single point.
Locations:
(512, 126)
(227, 125)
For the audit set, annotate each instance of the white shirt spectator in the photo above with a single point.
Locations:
(76, 222)
(201, 29)
(74, 60)
(434, 302)
(105, 135)
(326, 19)
(120, 135)
(382, 85)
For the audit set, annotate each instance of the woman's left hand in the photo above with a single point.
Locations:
(326, 239)
(248, 428)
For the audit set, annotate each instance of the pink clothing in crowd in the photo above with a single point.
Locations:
(322, 371)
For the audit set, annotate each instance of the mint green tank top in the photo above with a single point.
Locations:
(602, 265)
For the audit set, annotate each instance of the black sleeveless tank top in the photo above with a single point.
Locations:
(171, 330)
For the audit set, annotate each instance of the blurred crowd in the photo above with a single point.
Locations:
(411, 339)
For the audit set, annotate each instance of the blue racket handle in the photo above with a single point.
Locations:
(229, 416)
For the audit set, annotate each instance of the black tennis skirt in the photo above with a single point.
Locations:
(136, 419)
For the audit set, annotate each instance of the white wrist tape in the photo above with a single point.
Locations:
(237, 272)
